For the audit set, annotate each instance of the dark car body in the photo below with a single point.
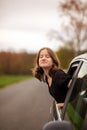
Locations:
(73, 115)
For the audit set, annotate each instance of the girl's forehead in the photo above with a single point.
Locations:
(44, 51)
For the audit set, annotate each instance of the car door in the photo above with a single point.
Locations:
(75, 108)
(57, 114)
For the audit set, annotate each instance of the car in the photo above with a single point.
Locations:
(73, 115)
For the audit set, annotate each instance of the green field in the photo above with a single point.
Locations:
(10, 79)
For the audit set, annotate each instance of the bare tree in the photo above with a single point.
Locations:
(75, 27)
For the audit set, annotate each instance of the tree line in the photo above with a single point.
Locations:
(22, 63)
(16, 63)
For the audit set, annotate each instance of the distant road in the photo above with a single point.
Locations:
(24, 106)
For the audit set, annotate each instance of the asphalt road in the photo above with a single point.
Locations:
(24, 106)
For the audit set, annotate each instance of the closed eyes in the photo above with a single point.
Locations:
(46, 56)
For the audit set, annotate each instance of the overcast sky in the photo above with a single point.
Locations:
(24, 24)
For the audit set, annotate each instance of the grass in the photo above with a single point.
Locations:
(10, 79)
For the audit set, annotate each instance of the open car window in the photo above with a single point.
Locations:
(72, 68)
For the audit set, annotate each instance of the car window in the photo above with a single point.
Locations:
(77, 107)
(72, 68)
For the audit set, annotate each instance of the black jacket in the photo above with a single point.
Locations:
(59, 86)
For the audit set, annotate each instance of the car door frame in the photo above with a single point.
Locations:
(71, 86)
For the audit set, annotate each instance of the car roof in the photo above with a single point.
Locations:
(82, 57)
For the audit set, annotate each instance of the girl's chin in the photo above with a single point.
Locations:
(45, 67)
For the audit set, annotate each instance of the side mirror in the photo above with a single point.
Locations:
(58, 125)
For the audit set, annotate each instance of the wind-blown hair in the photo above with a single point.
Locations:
(38, 71)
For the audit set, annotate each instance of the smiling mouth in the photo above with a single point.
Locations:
(43, 62)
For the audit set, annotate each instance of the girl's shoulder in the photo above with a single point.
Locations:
(60, 74)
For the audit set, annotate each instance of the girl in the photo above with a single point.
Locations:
(47, 69)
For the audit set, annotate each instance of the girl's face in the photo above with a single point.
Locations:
(45, 61)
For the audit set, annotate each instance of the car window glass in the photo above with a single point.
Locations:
(77, 107)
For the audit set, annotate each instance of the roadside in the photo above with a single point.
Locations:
(10, 79)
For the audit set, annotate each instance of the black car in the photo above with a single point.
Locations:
(73, 115)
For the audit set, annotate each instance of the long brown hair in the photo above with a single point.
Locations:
(38, 71)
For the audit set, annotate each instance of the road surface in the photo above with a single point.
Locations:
(24, 106)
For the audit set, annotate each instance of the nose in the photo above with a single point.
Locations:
(44, 57)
